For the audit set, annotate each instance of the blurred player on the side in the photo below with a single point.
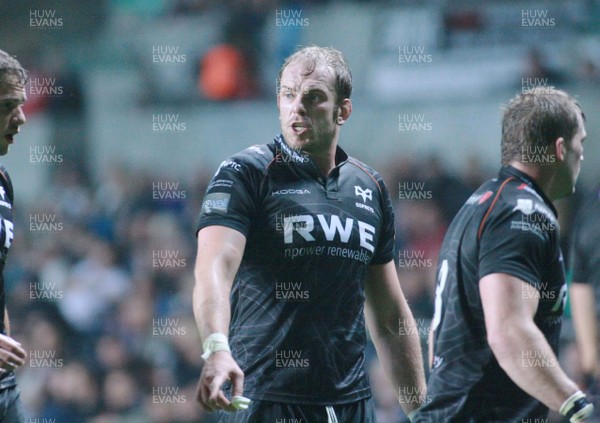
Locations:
(585, 290)
(293, 237)
(12, 96)
(501, 284)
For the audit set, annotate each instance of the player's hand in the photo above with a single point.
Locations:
(12, 354)
(218, 368)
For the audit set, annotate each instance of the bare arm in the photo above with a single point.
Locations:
(220, 251)
(12, 354)
(395, 334)
(521, 349)
(583, 308)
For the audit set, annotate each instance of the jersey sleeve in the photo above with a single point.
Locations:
(230, 199)
(386, 243)
(579, 252)
(517, 243)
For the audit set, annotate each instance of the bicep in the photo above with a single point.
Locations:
(507, 301)
(222, 246)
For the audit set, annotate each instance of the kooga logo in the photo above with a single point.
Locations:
(290, 191)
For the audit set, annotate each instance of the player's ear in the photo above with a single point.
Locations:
(561, 149)
(344, 111)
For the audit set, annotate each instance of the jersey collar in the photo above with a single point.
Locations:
(508, 171)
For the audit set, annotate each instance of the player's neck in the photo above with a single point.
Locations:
(325, 163)
(544, 177)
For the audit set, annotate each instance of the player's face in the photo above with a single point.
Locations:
(12, 97)
(573, 157)
(309, 114)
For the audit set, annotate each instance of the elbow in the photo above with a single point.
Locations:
(500, 341)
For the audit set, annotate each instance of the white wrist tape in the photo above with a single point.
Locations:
(412, 414)
(215, 342)
(577, 408)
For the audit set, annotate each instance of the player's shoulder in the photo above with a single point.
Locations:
(517, 198)
(253, 158)
(362, 169)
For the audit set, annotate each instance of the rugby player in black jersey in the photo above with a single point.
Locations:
(295, 237)
(585, 289)
(12, 355)
(501, 282)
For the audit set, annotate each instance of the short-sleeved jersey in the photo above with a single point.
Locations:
(507, 226)
(584, 258)
(297, 325)
(6, 238)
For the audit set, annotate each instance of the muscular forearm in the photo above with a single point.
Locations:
(399, 351)
(211, 303)
(586, 326)
(527, 358)
(220, 251)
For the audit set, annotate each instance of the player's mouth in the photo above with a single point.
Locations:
(10, 137)
(300, 128)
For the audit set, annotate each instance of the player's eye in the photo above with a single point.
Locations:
(314, 97)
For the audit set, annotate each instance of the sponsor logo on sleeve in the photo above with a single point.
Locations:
(216, 203)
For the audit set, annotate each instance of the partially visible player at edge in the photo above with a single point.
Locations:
(501, 284)
(12, 96)
(294, 238)
(585, 290)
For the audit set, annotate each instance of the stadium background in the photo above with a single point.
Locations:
(134, 103)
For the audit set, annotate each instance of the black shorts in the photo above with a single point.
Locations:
(277, 412)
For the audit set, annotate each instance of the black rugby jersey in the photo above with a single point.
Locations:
(584, 258)
(6, 238)
(507, 226)
(297, 325)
